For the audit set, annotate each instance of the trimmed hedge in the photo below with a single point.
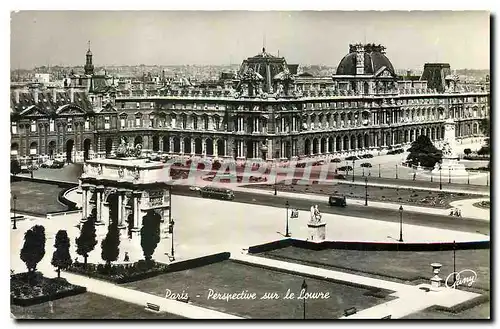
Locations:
(22, 293)
(124, 273)
(372, 246)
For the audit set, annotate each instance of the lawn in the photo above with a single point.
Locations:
(87, 306)
(481, 311)
(36, 198)
(383, 194)
(399, 265)
(232, 277)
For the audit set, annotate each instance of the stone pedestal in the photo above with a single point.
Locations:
(100, 229)
(450, 167)
(317, 231)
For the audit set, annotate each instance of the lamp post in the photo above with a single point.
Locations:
(304, 289)
(454, 268)
(379, 170)
(396, 171)
(468, 178)
(287, 233)
(172, 236)
(401, 223)
(275, 189)
(449, 175)
(366, 191)
(353, 160)
(14, 197)
(440, 181)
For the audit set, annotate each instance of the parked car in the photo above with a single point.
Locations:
(194, 188)
(301, 165)
(25, 169)
(367, 156)
(366, 165)
(338, 176)
(319, 163)
(335, 160)
(154, 157)
(47, 164)
(337, 201)
(344, 168)
(57, 165)
(352, 157)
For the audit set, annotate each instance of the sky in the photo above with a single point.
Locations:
(461, 38)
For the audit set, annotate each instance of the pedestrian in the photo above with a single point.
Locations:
(127, 258)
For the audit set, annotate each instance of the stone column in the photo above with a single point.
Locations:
(120, 208)
(85, 201)
(182, 146)
(327, 145)
(171, 141)
(225, 147)
(204, 147)
(215, 147)
(137, 213)
(318, 145)
(98, 202)
(193, 144)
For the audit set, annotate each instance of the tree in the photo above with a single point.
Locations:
(423, 152)
(109, 245)
(61, 257)
(150, 234)
(467, 152)
(15, 167)
(87, 240)
(34, 247)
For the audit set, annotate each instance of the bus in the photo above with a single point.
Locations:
(217, 193)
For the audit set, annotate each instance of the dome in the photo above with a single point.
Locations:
(265, 66)
(375, 59)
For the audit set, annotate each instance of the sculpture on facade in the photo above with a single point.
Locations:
(126, 151)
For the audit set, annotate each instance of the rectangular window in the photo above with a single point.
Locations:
(70, 124)
(122, 123)
(195, 123)
(87, 124)
(51, 125)
(33, 126)
(137, 122)
(205, 123)
(151, 119)
(14, 127)
(217, 123)
(106, 123)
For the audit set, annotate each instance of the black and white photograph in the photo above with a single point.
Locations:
(239, 164)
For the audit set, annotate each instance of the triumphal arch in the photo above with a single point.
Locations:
(129, 185)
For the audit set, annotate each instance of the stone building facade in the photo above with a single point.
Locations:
(268, 112)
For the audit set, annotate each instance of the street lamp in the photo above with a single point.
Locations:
(304, 290)
(396, 171)
(287, 234)
(171, 229)
(454, 268)
(14, 197)
(366, 191)
(353, 170)
(449, 175)
(401, 223)
(379, 170)
(275, 179)
(440, 181)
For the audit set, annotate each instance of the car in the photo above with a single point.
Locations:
(366, 165)
(57, 165)
(337, 201)
(335, 160)
(154, 157)
(318, 163)
(345, 168)
(301, 165)
(352, 157)
(367, 156)
(338, 176)
(47, 164)
(194, 188)
(217, 193)
(25, 169)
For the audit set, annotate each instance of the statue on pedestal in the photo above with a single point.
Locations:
(315, 214)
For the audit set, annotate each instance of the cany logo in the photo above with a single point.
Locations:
(462, 278)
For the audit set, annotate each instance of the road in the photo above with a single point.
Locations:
(388, 215)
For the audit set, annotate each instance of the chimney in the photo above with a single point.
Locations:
(72, 95)
(35, 95)
(16, 93)
(54, 95)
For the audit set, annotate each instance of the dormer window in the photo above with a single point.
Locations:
(33, 126)
(51, 125)
(87, 124)
(14, 127)
(106, 123)
(70, 124)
